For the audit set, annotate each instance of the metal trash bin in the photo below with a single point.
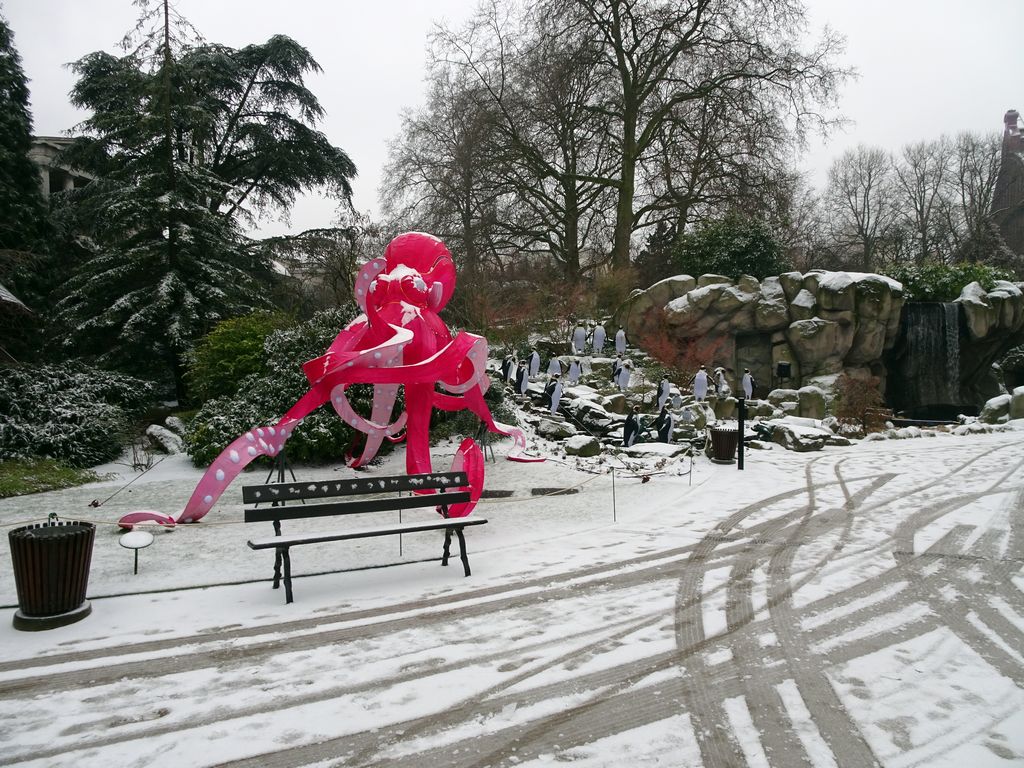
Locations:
(723, 444)
(51, 572)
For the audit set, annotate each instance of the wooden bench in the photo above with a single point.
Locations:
(326, 493)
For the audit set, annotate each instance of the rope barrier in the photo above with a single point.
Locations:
(559, 492)
(24, 522)
(482, 502)
(96, 503)
(208, 524)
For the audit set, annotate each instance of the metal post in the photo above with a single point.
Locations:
(136, 562)
(742, 412)
(614, 513)
(399, 522)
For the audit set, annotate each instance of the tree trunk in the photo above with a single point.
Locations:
(571, 243)
(178, 373)
(623, 233)
(471, 256)
(624, 216)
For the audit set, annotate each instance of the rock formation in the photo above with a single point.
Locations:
(994, 323)
(821, 323)
(827, 323)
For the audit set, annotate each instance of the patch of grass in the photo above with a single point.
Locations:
(20, 477)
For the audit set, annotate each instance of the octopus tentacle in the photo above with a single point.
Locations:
(399, 340)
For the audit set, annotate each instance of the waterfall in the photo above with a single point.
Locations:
(924, 374)
(952, 323)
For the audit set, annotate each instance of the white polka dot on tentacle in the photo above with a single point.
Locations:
(250, 437)
(220, 475)
(207, 499)
(272, 431)
(252, 451)
(235, 458)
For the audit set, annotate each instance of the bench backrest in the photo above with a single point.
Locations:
(331, 489)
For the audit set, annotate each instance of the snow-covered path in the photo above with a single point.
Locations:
(857, 607)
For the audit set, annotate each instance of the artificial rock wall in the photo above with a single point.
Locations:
(993, 324)
(821, 323)
(826, 323)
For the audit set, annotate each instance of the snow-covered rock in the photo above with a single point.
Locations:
(1016, 409)
(176, 425)
(655, 450)
(780, 396)
(555, 430)
(615, 403)
(162, 439)
(582, 445)
(725, 407)
(812, 402)
(796, 436)
(995, 410)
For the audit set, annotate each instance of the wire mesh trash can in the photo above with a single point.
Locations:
(51, 572)
(723, 444)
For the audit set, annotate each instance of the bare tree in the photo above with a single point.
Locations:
(975, 167)
(797, 217)
(921, 175)
(659, 56)
(861, 203)
(725, 151)
(440, 175)
(539, 79)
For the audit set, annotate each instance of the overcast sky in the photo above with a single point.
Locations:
(927, 67)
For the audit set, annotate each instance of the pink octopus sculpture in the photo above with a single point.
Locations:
(400, 340)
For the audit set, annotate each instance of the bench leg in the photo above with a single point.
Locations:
(277, 557)
(287, 574)
(277, 568)
(447, 545)
(462, 549)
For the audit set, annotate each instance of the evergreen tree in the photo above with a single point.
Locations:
(732, 246)
(189, 141)
(22, 209)
(23, 213)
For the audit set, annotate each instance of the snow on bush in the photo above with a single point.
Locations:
(70, 412)
(264, 397)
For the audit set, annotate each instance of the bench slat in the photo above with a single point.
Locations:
(351, 486)
(269, 514)
(272, 542)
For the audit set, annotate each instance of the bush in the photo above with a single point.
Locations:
(732, 246)
(72, 412)
(935, 281)
(232, 351)
(465, 423)
(858, 402)
(264, 397)
(612, 288)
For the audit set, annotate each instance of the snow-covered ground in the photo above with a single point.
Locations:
(853, 607)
